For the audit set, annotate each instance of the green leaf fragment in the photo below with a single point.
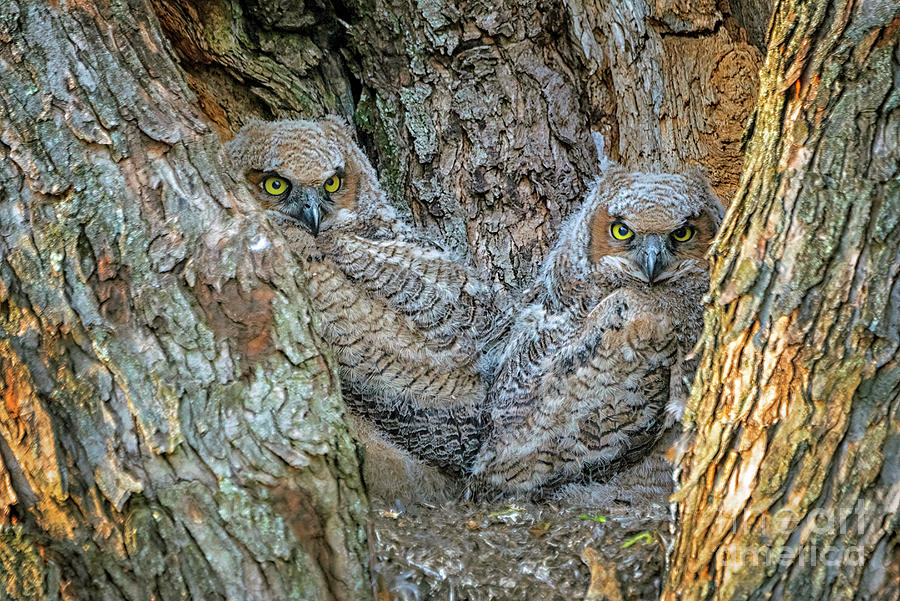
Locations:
(510, 509)
(593, 518)
(647, 537)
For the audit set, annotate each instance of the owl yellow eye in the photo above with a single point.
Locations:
(620, 231)
(276, 186)
(332, 184)
(683, 234)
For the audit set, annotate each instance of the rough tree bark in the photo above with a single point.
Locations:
(487, 108)
(791, 489)
(479, 115)
(171, 426)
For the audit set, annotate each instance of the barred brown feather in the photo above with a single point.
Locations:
(407, 320)
(592, 369)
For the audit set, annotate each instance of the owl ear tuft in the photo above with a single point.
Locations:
(246, 143)
(610, 167)
(697, 174)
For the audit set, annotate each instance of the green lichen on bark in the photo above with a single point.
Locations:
(25, 575)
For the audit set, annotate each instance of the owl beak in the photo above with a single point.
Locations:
(653, 257)
(311, 210)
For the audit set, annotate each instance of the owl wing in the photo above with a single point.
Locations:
(390, 373)
(381, 350)
(443, 299)
(448, 436)
(431, 409)
(390, 471)
(595, 403)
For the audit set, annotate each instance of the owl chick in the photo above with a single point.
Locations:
(407, 320)
(593, 369)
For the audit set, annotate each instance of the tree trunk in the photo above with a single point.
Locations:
(171, 426)
(791, 488)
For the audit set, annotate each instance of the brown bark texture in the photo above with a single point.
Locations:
(171, 426)
(479, 116)
(791, 488)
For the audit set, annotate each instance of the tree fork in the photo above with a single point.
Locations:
(117, 259)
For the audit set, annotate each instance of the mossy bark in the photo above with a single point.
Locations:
(171, 425)
(791, 488)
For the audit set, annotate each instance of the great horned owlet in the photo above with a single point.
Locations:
(595, 363)
(407, 320)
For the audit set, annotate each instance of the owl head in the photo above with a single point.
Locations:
(639, 229)
(310, 171)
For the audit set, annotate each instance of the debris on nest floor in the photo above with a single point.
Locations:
(483, 552)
